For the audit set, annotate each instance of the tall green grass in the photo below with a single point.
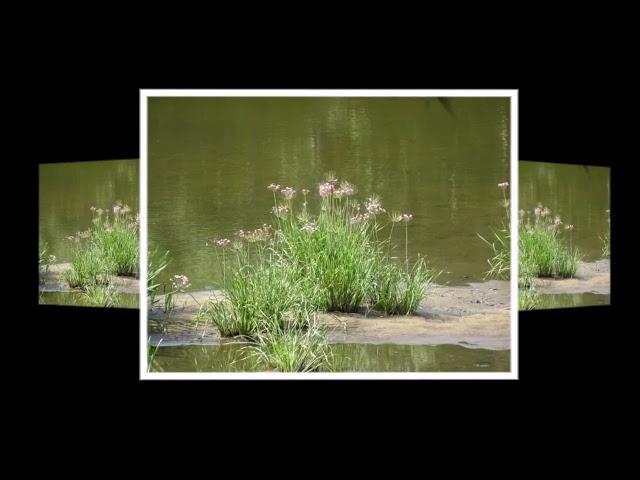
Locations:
(156, 264)
(100, 295)
(88, 267)
(44, 261)
(500, 243)
(109, 247)
(544, 249)
(116, 237)
(292, 350)
(606, 240)
(276, 278)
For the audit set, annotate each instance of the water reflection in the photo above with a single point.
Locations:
(349, 358)
(211, 159)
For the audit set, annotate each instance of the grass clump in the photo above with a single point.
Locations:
(277, 278)
(109, 247)
(528, 298)
(292, 350)
(156, 264)
(88, 268)
(606, 240)
(398, 292)
(500, 262)
(331, 261)
(116, 237)
(44, 261)
(100, 295)
(543, 249)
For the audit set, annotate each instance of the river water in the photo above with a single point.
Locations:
(211, 159)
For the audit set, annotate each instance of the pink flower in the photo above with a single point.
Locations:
(304, 191)
(280, 210)
(537, 211)
(374, 206)
(503, 185)
(407, 217)
(223, 242)
(288, 193)
(325, 189)
(274, 187)
(360, 218)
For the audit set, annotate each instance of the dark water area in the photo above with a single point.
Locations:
(231, 357)
(579, 194)
(211, 159)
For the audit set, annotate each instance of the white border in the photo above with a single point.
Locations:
(513, 136)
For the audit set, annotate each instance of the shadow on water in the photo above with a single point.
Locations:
(348, 358)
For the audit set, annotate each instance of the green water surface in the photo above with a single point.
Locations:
(211, 159)
(349, 358)
(579, 194)
(66, 193)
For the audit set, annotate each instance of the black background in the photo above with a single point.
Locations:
(83, 355)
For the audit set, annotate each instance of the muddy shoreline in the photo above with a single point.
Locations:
(474, 316)
(591, 277)
(53, 281)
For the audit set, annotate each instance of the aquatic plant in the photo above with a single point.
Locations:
(528, 298)
(44, 261)
(292, 349)
(100, 295)
(398, 292)
(606, 239)
(109, 247)
(88, 267)
(117, 238)
(155, 266)
(151, 354)
(178, 284)
(500, 262)
(543, 248)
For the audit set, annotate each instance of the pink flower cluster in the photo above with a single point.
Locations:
(222, 242)
(373, 206)
(257, 235)
(288, 193)
(280, 210)
(503, 185)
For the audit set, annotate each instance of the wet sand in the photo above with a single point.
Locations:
(53, 281)
(591, 277)
(477, 315)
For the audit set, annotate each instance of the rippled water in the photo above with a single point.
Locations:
(210, 161)
(579, 194)
(349, 358)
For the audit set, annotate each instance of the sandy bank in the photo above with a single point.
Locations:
(53, 281)
(591, 277)
(474, 316)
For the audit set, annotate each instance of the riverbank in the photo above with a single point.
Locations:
(591, 277)
(53, 281)
(474, 316)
